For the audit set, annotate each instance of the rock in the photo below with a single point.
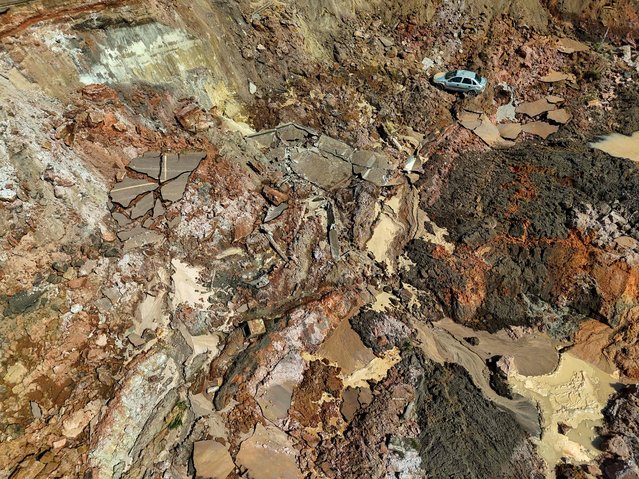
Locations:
(8, 195)
(469, 120)
(627, 242)
(73, 425)
(136, 340)
(274, 196)
(427, 63)
(23, 302)
(212, 460)
(252, 88)
(338, 148)
(253, 328)
(350, 403)
(77, 283)
(120, 218)
(386, 41)
(190, 116)
(15, 373)
(60, 443)
(119, 126)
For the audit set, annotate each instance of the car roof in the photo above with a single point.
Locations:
(465, 74)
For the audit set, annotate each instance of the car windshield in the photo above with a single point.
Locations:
(478, 78)
(450, 75)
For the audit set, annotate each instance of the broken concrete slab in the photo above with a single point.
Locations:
(319, 170)
(554, 76)
(489, 133)
(174, 165)
(269, 453)
(414, 164)
(158, 209)
(554, 99)
(120, 218)
(350, 403)
(174, 190)
(469, 120)
(506, 112)
(143, 206)
(126, 234)
(263, 139)
(127, 190)
(149, 164)
(568, 45)
(377, 176)
(212, 460)
(509, 131)
(370, 159)
(294, 133)
(335, 147)
(535, 108)
(275, 211)
(540, 128)
(559, 116)
(275, 401)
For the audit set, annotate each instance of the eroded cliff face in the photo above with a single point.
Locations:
(251, 239)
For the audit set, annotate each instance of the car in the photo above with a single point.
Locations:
(461, 80)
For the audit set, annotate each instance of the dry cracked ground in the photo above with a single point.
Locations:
(251, 239)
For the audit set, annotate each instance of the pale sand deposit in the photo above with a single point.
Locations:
(574, 394)
(619, 145)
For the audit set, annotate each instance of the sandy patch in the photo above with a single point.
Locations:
(619, 145)
(574, 394)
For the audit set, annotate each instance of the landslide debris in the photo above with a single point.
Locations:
(224, 228)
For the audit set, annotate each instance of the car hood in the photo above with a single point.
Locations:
(439, 76)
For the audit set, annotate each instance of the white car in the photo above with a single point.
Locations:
(460, 80)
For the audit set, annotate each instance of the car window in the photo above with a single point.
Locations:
(456, 80)
(450, 75)
(467, 81)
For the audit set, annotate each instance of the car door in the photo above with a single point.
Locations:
(455, 83)
(467, 84)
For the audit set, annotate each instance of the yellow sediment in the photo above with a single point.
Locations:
(574, 394)
(619, 145)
